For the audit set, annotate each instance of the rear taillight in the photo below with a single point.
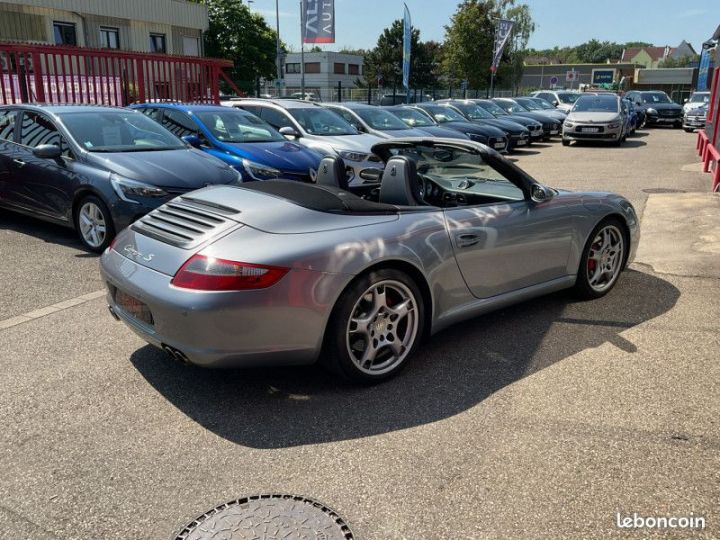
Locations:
(210, 274)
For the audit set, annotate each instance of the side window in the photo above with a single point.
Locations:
(349, 118)
(37, 129)
(7, 124)
(152, 112)
(275, 118)
(179, 123)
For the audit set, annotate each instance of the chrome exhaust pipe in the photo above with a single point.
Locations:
(176, 355)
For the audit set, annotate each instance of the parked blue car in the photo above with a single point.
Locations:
(239, 138)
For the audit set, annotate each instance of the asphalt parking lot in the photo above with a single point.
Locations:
(541, 421)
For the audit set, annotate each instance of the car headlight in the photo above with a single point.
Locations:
(258, 171)
(614, 124)
(126, 189)
(650, 110)
(349, 155)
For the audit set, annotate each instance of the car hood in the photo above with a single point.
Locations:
(410, 132)
(598, 117)
(362, 142)
(489, 128)
(532, 115)
(283, 155)
(448, 133)
(182, 168)
(522, 120)
(662, 106)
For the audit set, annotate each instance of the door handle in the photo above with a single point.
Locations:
(19, 162)
(466, 239)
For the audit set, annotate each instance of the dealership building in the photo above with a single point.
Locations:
(157, 26)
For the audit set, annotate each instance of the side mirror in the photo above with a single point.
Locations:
(47, 151)
(288, 131)
(192, 140)
(540, 193)
(555, 102)
(685, 100)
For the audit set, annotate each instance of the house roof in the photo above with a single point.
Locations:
(656, 53)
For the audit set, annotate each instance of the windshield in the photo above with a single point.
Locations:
(412, 118)
(655, 97)
(318, 121)
(461, 172)
(700, 97)
(511, 106)
(444, 114)
(529, 104)
(568, 97)
(380, 119)
(473, 112)
(596, 104)
(119, 131)
(542, 104)
(233, 126)
(492, 108)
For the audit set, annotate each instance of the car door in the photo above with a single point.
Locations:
(43, 186)
(510, 244)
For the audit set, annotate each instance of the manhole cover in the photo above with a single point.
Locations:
(664, 190)
(268, 517)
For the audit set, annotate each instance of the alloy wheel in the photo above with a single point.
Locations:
(605, 258)
(93, 227)
(382, 328)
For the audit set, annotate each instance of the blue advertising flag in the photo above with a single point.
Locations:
(703, 69)
(502, 35)
(407, 40)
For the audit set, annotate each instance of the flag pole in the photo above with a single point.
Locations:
(302, 51)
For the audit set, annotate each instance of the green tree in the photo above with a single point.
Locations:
(245, 38)
(386, 59)
(469, 41)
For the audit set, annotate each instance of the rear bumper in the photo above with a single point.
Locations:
(281, 325)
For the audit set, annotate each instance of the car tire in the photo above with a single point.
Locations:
(687, 130)
(367, 314)
(597, 261)
(94, 223)
(565, 142)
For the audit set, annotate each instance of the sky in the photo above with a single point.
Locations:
(558, 22)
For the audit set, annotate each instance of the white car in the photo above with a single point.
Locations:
(697, 100)
(322, 130)
(562, 99)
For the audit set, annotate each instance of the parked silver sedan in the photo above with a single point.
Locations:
(597, 117)
(281, 272)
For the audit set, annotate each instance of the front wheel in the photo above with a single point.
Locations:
(602, 261)
(375, 327)
(565, 142)
(94, 223)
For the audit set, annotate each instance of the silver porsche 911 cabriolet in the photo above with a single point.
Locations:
(281, 272)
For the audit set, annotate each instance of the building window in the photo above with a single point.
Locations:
(292, 68)
(65, 33)
(109, 37)
(354, 69)
(191, 46)
(312, 67)
(339, 68)
(158, 43)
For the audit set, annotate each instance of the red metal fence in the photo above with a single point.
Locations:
(60, 74)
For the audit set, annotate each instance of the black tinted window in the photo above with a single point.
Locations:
(152, 112)
(179, 123)
(38, 129)
(275, 118)
(7, 124)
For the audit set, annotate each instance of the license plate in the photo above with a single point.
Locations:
(522, 142)
(553, 132)
(590, 130)
(667, 119)
(499, 145)
(133, 307)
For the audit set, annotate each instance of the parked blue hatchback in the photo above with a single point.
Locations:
(237, 137)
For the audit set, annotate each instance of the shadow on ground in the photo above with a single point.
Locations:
(455, 371)
(42, 230)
